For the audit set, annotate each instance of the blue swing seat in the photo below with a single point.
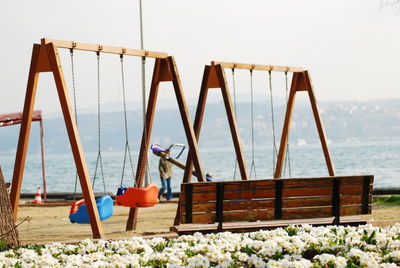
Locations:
(80, 215)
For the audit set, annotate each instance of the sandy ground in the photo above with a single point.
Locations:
(50, 224)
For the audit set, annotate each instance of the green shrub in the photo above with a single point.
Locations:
(393, 200)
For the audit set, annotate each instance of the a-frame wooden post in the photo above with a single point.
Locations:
(214, 77)
(301, 82)
(165, 70)
(45, 58)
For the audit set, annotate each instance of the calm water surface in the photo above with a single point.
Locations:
(381, 159)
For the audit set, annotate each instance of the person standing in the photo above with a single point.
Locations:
(165, 169)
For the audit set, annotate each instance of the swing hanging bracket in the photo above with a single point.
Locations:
(165, 74)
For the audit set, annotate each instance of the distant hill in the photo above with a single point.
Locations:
(350, 121)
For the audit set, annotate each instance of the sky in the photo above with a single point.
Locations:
(351, 48)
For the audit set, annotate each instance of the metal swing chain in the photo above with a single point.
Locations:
(127, 147)
(235, 109)
(287, 160)
(71, 53)
(252, 126)
(99, 158)
(274, 150)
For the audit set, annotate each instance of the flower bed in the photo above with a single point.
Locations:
(305, 246)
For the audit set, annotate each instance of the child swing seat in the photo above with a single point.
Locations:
(78, 212)
(137, 197)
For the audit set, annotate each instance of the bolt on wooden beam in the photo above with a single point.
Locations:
(104, 49)
(259, 67)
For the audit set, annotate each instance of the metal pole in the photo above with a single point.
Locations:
(146, 174)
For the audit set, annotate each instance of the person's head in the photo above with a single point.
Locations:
(167, 151)
(209, 175)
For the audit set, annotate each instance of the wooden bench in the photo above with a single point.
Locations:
(241, 206)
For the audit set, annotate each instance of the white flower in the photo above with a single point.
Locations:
(395, 255)
(367, 261)
(325, 259)
(388, 265)
(274, 263)
(243, 257)
(256, 261)
(394, 245)
(355, 252)
(340, 262)
(198, 261)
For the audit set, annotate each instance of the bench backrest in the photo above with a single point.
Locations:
(252, 200)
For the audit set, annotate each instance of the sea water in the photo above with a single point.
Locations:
(381, 159)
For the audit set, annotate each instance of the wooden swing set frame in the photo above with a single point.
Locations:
(45, 58)
(214, 77)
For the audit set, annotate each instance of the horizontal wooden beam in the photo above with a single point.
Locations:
(259, 67)
(105, 49)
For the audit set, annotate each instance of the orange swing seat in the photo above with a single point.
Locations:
(138, 197)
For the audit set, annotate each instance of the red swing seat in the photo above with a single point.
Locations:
(139, 197)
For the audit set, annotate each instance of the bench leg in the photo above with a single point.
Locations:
(220, 206)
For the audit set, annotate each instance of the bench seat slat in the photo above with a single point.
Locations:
(310, 182)
(239, 227)
(298, 202)
(231, 205)
(322, 201)
(254, 194)
(270, 183)
(230, 195)
(268, 214)
(344, 190)
(232, 185)
(304, 213)
(232, 216)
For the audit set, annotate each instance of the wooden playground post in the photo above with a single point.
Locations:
(214, 77)
(45, 58)
(301, 82)
(165, 70)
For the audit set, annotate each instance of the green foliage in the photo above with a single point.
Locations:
(291, 230)
(190, 253)
(393, 200)
(3, 246)
(351, 264)
(370, 239)
(139, 251)
(234, 266)
(156, 263)
(160, 247)
(37, 248)
(278, 255)
(248, 250)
